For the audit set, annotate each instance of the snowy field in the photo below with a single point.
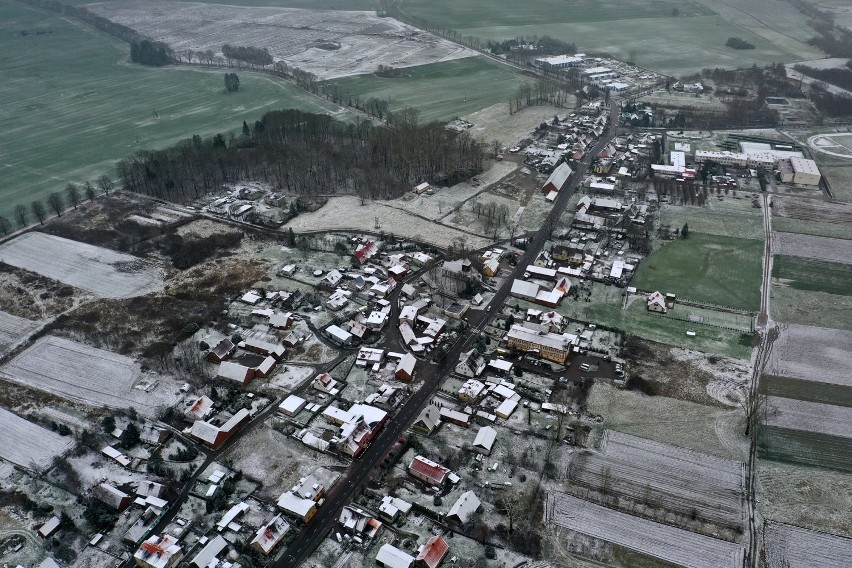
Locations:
(29, 445)
(290, 378)
(678, 479)
(85, 374)
(788, 546)
(302, 38)
(103, 272)
(667, 543)
(12, 329)
(813, 354)
(809, 416)
(812, 247)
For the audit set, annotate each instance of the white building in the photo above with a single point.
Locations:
(805, 172)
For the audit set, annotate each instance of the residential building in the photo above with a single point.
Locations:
(214, 436)
(223, 350)
(432, 553)
(464, 508)
(471, 391)
(550, 346)
(236, 372)
(405, 368)
(111, 496)
(269, 535)
(428, 471)
(158, 552)
(471, 364)
(199, 408)
(657, 303)
(429, 419)
(557, 179)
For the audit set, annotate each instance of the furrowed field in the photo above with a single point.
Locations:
(72, 105)
(707, 268)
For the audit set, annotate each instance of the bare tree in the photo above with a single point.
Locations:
(56, 203)
(21, 215)
(5, 225)
(73, 194)
(38, 211)
(105, 184)
(89, 190)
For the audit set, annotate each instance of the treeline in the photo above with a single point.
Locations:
(838, 76)
(531, 46)
(251, 55)
(738, 43)
(830, 104)
(309, 154)
(543, 92)
(56, 202)
(834, 40)
(153, 53)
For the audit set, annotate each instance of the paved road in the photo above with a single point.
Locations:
(432, 375)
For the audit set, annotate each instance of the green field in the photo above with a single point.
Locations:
(835, 230)
(819, 309)
(743, 224)
(813, 275)
(72, 105)
(821, 450)
(811, 391)
(713, 269)
(441, 91)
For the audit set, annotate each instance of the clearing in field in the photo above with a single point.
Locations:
(88, 375)
(326, 43)
(667, 543)
(812, 217)
(12, 329)
(789, 546)
(810, 246)
(676, 479)
(812, 353)
(29, 445)
(108, 109)
(103, 272)
(712, 269)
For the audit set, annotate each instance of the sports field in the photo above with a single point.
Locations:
(441, 91)
(72, 105)
(717, 270)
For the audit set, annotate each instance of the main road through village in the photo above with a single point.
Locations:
(432, 376)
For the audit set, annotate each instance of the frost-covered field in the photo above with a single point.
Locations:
(85, 374)
(13, 328)
(647, 537)
(27, 444)
(103, 272)
(810, 246)
(809, 416)
(788, 546)
(363, 41)
(813, 354)
(678, 479)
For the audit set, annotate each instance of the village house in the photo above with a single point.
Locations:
(471, 391)
(235, 372)
(357, 522)
(269, 535)
(471, 364)
(428, 471)
(214, 436)
(557, 179)
(405, 368)
(428, 421)
(158, 552)
(432, 553)
(392, 507)
(198, 408)
(464, 508)
(657, 303)
(222, 351)
(455, 417)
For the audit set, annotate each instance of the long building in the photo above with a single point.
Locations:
(551, 346)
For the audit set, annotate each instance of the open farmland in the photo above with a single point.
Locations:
(29, 445)
(812, 353)
(441, 91)
(12, 329)
(718, 270)
(677, 479)
(714, 220)
(302, 38)
(103, 272)
(798, 389)
(85, 374)
(811, 308)
(667, 543)
(815, 417)
(808, 448)
(813, 275)
(813, 247)
(100, 108)
(788, 546)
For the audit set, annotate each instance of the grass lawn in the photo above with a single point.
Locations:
(813, 275)
(723, 271)
(441, 91)
(72, 105)
(818, 309)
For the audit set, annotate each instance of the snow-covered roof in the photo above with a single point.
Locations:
(392, 557)
(559, 176)
(485, 438)
(466, 505)
(210, 551)
(292, 405)
(524, 289)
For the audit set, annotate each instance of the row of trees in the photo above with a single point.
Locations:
(56, 202)
(839, 76)
(148, 52)
(251, 55)
(309, 154)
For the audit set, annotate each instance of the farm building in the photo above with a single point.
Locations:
(466, 505)
(484, 440)
(491, 267)
(557, 179)
(405, 368)
(657, 303)
(525, 290)
(119, 457)
(455, 417)
(805, 172)
(550, 346)
(158, 552)
(390, 556)
(280, 320)
(432, 553)
(561, 61)
(224, 349)
(269, 535)
(506, 408)
(264, 348)
(428, 471)
(391, 507)
(429, 419)
(236, 372)
(266, 367)
(214, 436)
(49, 528)
(292, 405)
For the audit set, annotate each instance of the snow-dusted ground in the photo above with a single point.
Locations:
(103, 272)
(667, 543)
(12, 329)
(293, 35)
(89, 375)
(291, 377)
(731, 376)
(788, 546)
(813, 354)
(809, 416)
(29, 445)
(812, 246)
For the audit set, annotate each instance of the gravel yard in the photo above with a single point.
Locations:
(28, 444)
(812, 353)
(788, 546)
(647, 537)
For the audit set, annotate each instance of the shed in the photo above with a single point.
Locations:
(390, 556)
(210, 551)
(405, 368)
(506, 408)
(484, 440)
(49, 528)
(292, 405)
(466, 505)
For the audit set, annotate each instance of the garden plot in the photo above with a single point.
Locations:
(103, 272)
(678, 479)
(85, 374)
(809, 246)
(812, 353)
(646, 537)
(809, 416)
(328, 43)
(12, 329)
(29, 445)
(789, 546)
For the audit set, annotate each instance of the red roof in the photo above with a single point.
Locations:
(428, 469)
(433, 551)
(365, 252)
